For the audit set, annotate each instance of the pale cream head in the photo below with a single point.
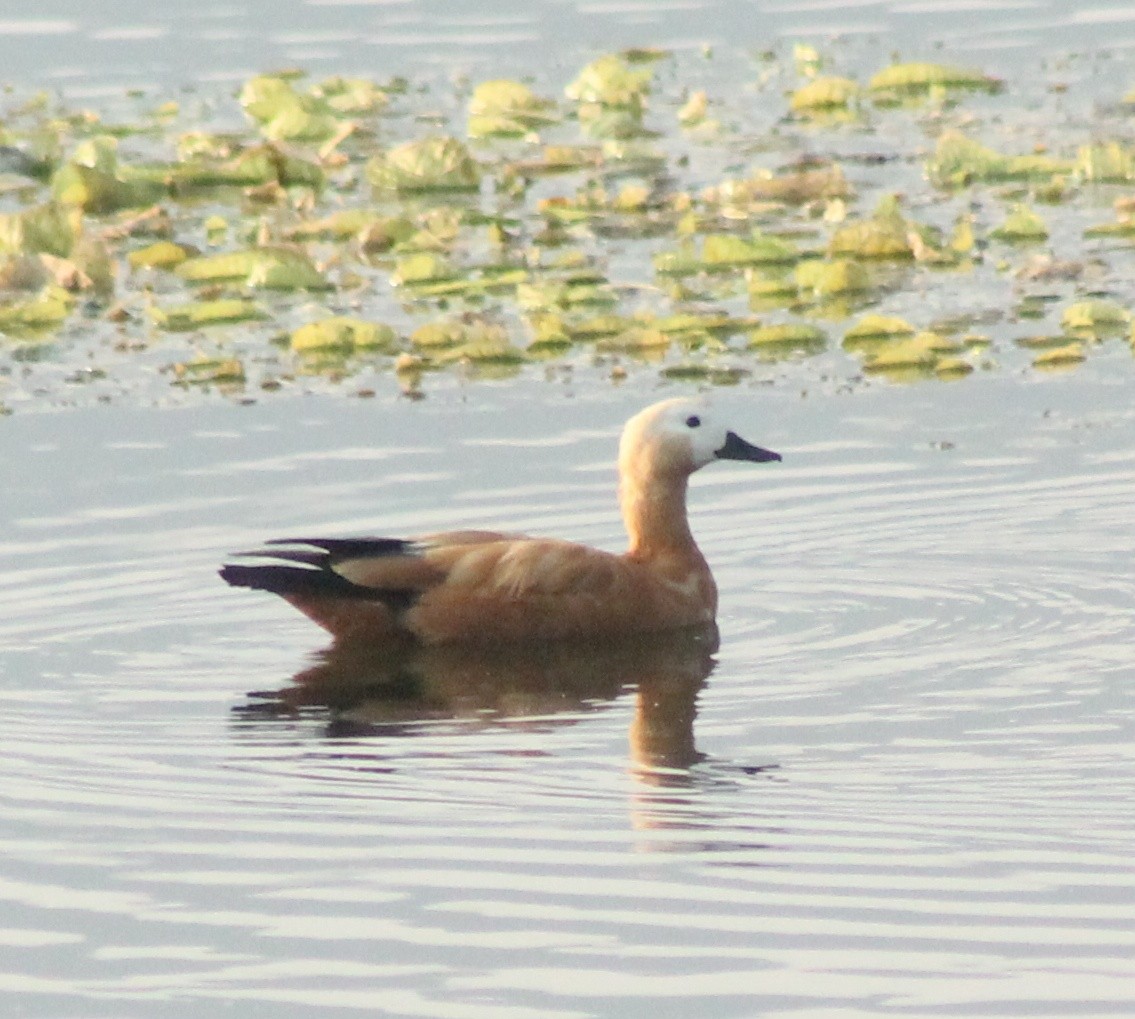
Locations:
(680, 436)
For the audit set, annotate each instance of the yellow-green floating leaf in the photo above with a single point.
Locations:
(342, 333)
(202, 314)
(428, 164)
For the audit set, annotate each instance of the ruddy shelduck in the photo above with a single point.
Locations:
(483, 586)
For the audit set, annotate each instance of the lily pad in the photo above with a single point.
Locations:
(872, 329)
(159, 255)
(423, 267)
(427, 164)
(794, 187)
(795, 335)
(1095, 318)
(885, 235)
(455, 332)
(255, 166)
(1061, 357)
(611, 81)
(37, 315)
(830, 278)
(727, 250)
(958, 161)
(637, 338)
(92, 180)
(1106, 162)
(824, 93)
(206, 371)
(265, 268)
(283, 113)
(922, 351)
(47, 228)
(507, 108)
(1021, 226)
(919, 77)
(341, 333)
(203, 314)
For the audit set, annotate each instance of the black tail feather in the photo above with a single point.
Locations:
(292, 580)
(349, 548)
(313, 574)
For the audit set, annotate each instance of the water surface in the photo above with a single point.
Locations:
(900, 789)
(901, 786)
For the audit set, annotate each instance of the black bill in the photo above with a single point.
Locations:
(736, 448)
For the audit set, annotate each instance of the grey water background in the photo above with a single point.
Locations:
(109, 44)
(904, 788)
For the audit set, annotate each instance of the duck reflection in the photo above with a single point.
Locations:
(370, 690)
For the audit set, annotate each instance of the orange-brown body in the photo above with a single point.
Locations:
(484, 587)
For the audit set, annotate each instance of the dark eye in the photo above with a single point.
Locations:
(693, 421)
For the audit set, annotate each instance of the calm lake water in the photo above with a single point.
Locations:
(902, 786)
(914, 797)
(99, 46)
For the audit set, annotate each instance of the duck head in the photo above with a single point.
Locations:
(680, 436)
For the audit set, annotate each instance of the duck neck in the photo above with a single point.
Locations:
(654, 511)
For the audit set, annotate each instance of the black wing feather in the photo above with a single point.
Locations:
(314, 575)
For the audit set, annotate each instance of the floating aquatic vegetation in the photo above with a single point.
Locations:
(93, 180)
(693, 114)
(354, 97)
(265, 268)
(824, 95)
(1065, 356)
(612, 80)
(507, 108)
(1106, 163)
(427, 164)
(32, 317)
(465, 332)
(924, 352)
(721, 252)
(209, 371)
(282, 113)
(203, 314)
(160, 255)
(771, 289)
(422, 267)
(724, 250)
(873, 329)
(1021, 226)
(818, 278)
(737, 204)
(794, 187)
(713, 324)
(1042, 341)
(257, 166)
(348, 224)
(1095, 318)
(1123, 229)
(917, 78)
(597, 326)
(786, 337)
(582, 291)
(700, 371)
(636, 339)
(886, 234)
(958, 161)
(48, 228)
(345, 334)
(952, 367)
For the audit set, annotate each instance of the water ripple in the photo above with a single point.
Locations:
(895, 789)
